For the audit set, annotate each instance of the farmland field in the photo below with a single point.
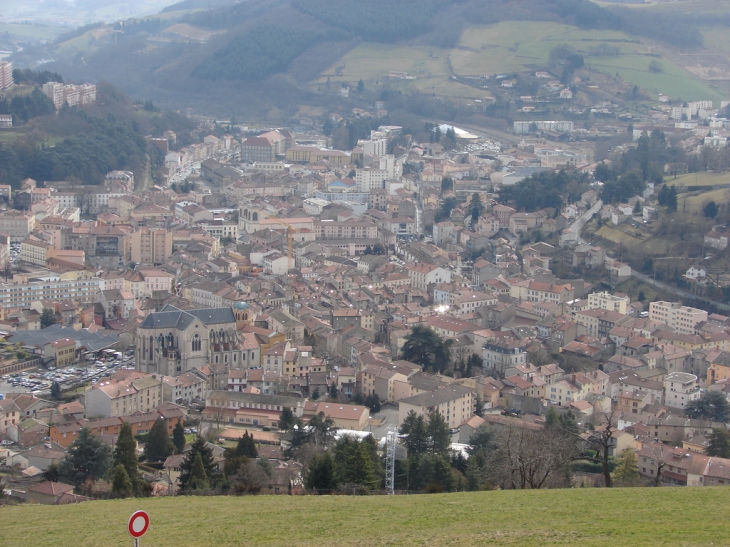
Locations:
(575, 517)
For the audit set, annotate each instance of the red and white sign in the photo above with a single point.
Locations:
(138, 524)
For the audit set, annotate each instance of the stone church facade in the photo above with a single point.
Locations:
(173, 341)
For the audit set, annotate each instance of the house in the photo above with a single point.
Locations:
(716, 240)
(47, 493)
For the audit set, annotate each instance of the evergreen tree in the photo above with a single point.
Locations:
(198, 478)
(121, 484)
(712, 405)
(414, 426)
(353, 463)
(56, 391)
(626, 471)
(48, 318)
(315, 394)
(178, 437)
(125, 454)
(333, 390)
(159, 446)
(710, 210)
(479, 407)
(637, 207)
(199, 447)
(286, 419)
(438, 432)
(719, 444)
(86, 458)
(672, 200)
(425, 347)
(320, 474)
(360, 86)
(246, 447)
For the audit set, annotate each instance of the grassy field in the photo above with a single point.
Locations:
(584, 517)
(31, 32)
(700, 179)
(510, 46)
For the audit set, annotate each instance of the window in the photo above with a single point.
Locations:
(196, 342)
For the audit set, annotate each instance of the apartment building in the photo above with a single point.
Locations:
(680, 388)
(682, 319)
(23, 294)
(221, 228)
(140, 392)
(536, 291)
(17, 225)
(150, 246)
(329, 229)
(607, 301)
(6, 74)
(454, 402)
(422, 275)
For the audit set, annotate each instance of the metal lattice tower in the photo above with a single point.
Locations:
(391, 439)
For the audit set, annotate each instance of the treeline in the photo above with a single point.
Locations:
(101, 145)
(645, 163)
(545, 189)
(32, 77)
(25, 107)
(376, 20)
(261, 52)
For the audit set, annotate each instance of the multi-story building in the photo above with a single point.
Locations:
(257, 149)
(23, 294)
(105, 246)
(35, 251)
(329, 229)
(607, 301)
(680, 388)
(6, 74)
(501, 353)
(536, 291)
(54, 91)
(422, 275)
(454, 402)
(17, 225)
(150, 246)
(138, 393)
(682, 319)
(183, 389)
(221, 228)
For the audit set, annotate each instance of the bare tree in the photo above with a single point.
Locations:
(527, 458)
(601, 440)
(659, 453)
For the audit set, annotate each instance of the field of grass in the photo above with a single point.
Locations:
(511, 46)
(580, 517)
(31, 32)
(700, 179)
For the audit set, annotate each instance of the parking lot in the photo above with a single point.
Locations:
(39, 381)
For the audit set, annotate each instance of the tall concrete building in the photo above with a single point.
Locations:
(6, 74)
(151, 246)
(682, 319)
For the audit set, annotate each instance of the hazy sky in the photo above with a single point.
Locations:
(77, 12)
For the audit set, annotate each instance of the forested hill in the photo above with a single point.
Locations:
(83, 145)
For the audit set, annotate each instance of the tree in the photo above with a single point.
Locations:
(320, 474)
(198, 479)
(719, 444)
(637, 207)
(438, 431)
(712, 405)
(286, 419)
(414, 426)
(87, 458)
(354, 463)
(178, 437)
(425, 347)
(672, 200)
(479, 407)
(56, 391)
(159, 446)
(626, 471)
(332, 391)
(373, 403)
(51, 473)
(526, 458)
(600, 440)
(246, 447)
(656, 66)
(251, 478)
(322, 430)
(198, 448)
(360, 86)
(447, 184)
(121, 484)
(125, 454)
(315, 394)
(48, 318)
(710, 209)
(473, 363)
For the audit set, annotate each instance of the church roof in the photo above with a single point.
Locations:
(172, 317)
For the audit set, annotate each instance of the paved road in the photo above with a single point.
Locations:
(679, 292)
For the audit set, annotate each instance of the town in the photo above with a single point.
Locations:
(270, 314)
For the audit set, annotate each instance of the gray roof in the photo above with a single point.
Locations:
(92, 341)
(438, 396)
(171, 317)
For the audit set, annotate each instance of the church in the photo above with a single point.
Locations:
(173, 341)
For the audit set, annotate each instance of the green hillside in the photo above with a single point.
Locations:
(581, 517)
